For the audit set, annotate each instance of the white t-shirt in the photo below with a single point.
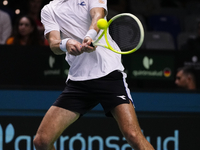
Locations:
(72, 18)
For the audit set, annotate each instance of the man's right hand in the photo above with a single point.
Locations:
(86, 45)
(74, 47)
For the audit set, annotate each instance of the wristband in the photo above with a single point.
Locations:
(63, 44)
(91, 33)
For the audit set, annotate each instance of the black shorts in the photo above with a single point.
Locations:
(82, 96)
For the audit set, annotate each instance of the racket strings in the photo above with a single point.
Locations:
(125, 32)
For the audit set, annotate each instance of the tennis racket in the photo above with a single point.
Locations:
(126, 30)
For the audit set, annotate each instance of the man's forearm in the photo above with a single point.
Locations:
(54, 45)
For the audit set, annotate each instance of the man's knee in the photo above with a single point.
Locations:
(131, 135)
(40, 143)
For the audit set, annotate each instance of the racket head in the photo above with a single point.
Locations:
(127, 31)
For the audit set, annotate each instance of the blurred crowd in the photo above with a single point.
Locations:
(171, 24)
(23, 28)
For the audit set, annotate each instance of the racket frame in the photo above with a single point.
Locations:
(108, 46)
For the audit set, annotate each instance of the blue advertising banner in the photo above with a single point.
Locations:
(164, 133)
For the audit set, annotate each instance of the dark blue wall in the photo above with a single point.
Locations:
(34, 103)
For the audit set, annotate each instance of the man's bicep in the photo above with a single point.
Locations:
(98, 11)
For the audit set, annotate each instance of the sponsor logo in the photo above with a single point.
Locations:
(167, 72)
(51, 61)
(9, 135)
(147, 62)
(122, 97)
(52, 71)
(148, 71)
(193, 63)
(82, 3)
(85, 142)
(101, 1)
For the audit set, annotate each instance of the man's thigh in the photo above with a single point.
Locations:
(55, 122)
(126, 117)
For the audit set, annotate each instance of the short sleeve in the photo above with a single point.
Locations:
(48, 20)
(98, 3)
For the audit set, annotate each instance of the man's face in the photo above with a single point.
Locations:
(181, 79)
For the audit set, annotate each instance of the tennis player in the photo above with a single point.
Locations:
(95, 75)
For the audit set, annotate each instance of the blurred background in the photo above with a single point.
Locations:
(163, 77)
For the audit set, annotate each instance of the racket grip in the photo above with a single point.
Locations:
(91, 44)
